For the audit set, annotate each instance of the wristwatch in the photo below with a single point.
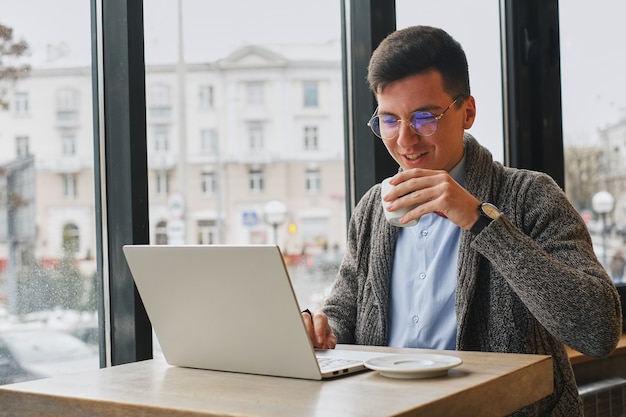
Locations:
(487, 213)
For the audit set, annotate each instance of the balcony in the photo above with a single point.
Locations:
(160, 115)
(67, 118)
(161, 160)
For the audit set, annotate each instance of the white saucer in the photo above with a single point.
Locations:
(413, 366)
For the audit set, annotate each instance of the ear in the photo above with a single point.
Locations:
(470, 112)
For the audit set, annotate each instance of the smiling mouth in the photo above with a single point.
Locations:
(414, 156)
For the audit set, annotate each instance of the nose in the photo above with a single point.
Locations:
(406, 135)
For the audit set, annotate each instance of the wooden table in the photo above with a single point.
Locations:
(588, 369)
(486, 384)
(576, 357)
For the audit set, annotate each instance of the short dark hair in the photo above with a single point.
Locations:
(415, 50)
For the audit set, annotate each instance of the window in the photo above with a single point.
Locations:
(312, 181)
(71, 239)
(67, 105)
(69, 186)
(159, 102)
(160, 237)
(207, 232)
(209, 183)
(482, 48)
(594, 126)
(68, 143)
(310, 93)
(22, 146)
(321, 24)
(21, 103)
(161, 140)
(310, 138)
(162, 183)
(205, 97)
(254, 94)
(256, 126)
(208, 141)
(256, 180)
(255, 136)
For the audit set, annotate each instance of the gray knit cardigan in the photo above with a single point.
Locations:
(528, 283)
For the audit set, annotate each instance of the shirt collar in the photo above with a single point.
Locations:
(458, 172)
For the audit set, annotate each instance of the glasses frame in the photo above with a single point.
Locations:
(435, 118)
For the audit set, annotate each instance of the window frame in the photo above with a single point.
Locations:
(21, 103)
(121, 177)
(121, 146)
(310, 94)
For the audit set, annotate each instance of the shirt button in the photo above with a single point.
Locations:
(415, 319)
(422, 275)
(424, 232)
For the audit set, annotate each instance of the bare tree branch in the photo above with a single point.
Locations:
(10, 67)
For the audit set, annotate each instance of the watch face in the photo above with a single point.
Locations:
(490, 210)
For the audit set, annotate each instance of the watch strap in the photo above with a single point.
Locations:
(482, 222)
(487, 213)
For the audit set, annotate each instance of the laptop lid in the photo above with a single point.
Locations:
(223, 307)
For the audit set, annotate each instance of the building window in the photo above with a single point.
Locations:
(312, 180)
(207, 232)
(67, 105)
(256, 180)
(71, 238)
(254, 93)
(205, 97)
(68, 143)
(209, 183)
(159, 102)
(208, 141)
(69, 186)
(21, 103)
(310, 138)
(160, 237)
(310, 94)
(22, 147)
(255, 136)
(162, 183)
(161, 140)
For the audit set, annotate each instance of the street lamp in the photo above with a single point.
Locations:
(274, 214)
(602, 203)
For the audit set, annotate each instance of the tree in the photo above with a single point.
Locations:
(11, 67)
(582, 173)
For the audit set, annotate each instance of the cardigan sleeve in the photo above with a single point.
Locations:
(543, 250)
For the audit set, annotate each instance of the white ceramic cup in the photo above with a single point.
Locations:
(393, 217)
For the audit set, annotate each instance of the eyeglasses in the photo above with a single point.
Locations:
(422, 123)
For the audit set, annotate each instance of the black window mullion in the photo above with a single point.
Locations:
(532, 87)
(365, 24)
(125, 196)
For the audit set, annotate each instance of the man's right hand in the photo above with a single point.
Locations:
(319, 330)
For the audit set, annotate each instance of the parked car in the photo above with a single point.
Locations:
(39, 353)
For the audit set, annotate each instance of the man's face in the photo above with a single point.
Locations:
(425, 92)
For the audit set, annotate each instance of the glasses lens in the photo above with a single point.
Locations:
(388, 126)
(374, 124)
(424, 123)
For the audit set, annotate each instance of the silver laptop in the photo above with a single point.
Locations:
(230, 308)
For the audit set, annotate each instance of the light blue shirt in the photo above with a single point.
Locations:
(423, 281)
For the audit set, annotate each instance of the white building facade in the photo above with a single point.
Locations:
(224, 139)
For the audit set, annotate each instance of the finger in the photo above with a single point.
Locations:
(331, 340)
(403, 176)
(323, 331)
(308, 325)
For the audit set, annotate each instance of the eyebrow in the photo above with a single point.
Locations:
(427, 109)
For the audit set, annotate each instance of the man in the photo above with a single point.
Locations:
(499, 259)
(617, 266)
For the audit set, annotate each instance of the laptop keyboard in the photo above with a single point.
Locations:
(335, 363)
